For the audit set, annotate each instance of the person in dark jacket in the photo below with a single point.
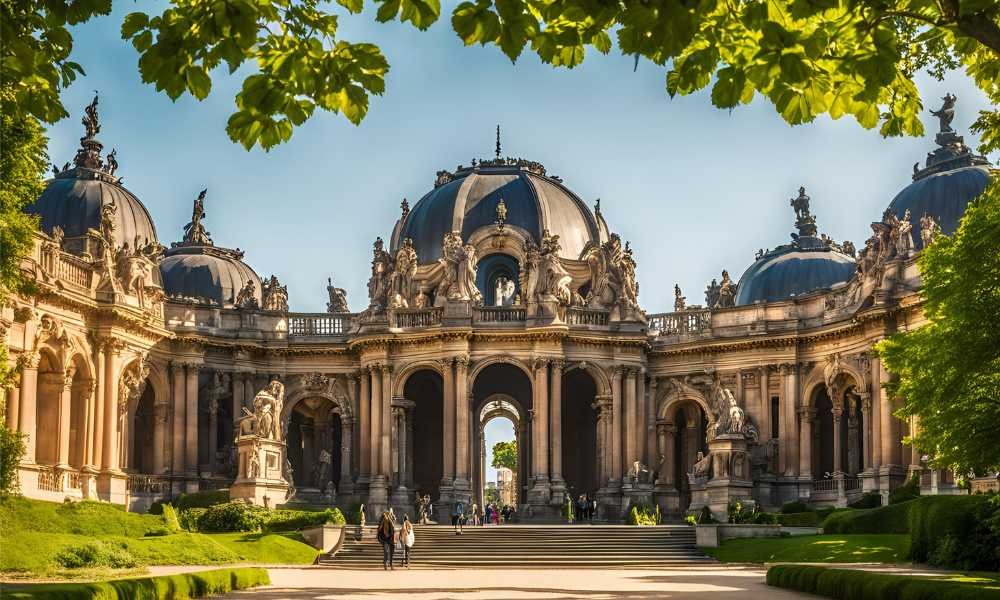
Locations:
(387, 537)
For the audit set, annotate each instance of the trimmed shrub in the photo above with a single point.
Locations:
(869, 500)
(233, 516)
(170, 519)
(203, 499)
(885, 519)
(796, 506)
(189, 518)
(291, 520)
(851, 584)
(765, 518)
(825, 511)
(803, 519)
(961, 532)
(11, 453)
(96, 553)
(166, 587)
(908, 491)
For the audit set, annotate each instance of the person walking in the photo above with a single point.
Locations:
(361, 522)
(475, 514)
(387, 537)
(406, 539)
(458, 516)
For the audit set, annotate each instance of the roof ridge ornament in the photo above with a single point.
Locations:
(498, 143)
(951, 153)
(89, 154)
(195, 233)
(805, 221)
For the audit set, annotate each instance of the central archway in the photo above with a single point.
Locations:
(314, 437)
(425, 388)
(502, 407)
(501, 390)
(579, 434)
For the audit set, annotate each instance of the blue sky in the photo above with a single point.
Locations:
(695, 189)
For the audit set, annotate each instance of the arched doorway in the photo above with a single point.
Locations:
(498, 273)
(425, 388)
(499, 420)
(681, 435)
(502, 389)
(579, 434)
(313, 435)
(142, 434)
(51, 381)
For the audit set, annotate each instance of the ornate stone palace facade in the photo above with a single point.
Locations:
(144, 372)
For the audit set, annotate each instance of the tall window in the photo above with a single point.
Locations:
(775, 416)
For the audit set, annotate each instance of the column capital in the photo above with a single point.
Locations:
(68, 377)
(557, 364)
(385, 369)
(446, 362)
(807, 412)
(29, 360)
(666, 427)
(462, 361)
(785, 368)
(616, 372)
(539, 363)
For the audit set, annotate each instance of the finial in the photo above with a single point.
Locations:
(89, 154)
(498, 142)
(405, 206)
(804, 220)
(90, 118)
(194, 232)
(597, 206)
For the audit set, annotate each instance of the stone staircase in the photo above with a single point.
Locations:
(529, 546)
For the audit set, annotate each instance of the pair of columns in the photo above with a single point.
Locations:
(375, 423)
(457, 425)
(184, 394)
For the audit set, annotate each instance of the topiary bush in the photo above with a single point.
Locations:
(796, 506)
(868, 500)
(203, 499)
(170, 519)
(233, 516)
(908, 491)
(885, 519)
(189, 518)
(291, 520)
(764, 518)
(854, 584)
(163, 587)
(960, 532)
(802, 519)
(96, 553)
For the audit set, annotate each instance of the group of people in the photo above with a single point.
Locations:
(425, 509)
(393, 537)
(585, 508)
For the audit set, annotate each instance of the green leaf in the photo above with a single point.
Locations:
(354, 6)
(198, 82)
(475, 22)
(729, 87)
(133, 23)
(602, 42)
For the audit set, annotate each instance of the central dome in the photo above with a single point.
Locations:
(467, 200)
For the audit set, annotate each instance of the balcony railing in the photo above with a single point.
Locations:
(586, 316)
(320, 324)
(687, 321)
(74, 270)
(852, 484)
(49, 480)
(405, 318)
(501, 314)
(825, 485)
(139, 483)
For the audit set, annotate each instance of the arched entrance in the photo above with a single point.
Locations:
(501, 390)
(51, 382)
(314, 436)
(580, 413)
(425, 388)
(823, 466)
(143, 425)
(503, 407)
(838, 434)
(681, 435)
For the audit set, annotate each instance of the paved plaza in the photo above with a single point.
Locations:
(747, 583)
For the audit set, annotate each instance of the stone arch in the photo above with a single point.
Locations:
(52, 374)
(399, 381)
(598, 374)
(672, 399)
(479, 365)
(816, 380)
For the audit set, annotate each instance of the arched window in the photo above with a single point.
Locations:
(497, 278)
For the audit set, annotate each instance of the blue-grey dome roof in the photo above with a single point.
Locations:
(207, 274)
(793, 270)
(73, 201)
(944, 195)
(467, 200)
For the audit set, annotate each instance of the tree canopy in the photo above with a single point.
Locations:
(505, 456)
(808, 57)
(948, 372)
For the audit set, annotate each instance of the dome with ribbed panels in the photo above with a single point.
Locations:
(467, 200)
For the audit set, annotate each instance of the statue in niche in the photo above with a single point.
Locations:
(904, 236)
(945, 114)
(337, 302)
(246, 297)
(712, 294)
(194, 232)
(267, 406)
(274, 295)
(727, 292)
(401, 280)
(504, 292)
(929, 229)
(679, 300)
(378, 283)
(501, 215)
(321, 471)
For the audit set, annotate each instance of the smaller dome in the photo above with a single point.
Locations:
(195, 268)
(207, 274)
(808, 264)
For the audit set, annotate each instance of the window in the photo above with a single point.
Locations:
(775, 416)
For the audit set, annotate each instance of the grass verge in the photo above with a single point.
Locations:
(848, 584)
(164, 587)
(874, 548)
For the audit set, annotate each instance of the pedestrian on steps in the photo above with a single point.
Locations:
(458, 517)
(406, 539)
(386, 537)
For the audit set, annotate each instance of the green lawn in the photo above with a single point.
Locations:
(32, 533)
(843, 548)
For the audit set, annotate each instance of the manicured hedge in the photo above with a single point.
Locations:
(885, 519)
(934, 519)
(166, 587)
(849, 584)
(803, 519)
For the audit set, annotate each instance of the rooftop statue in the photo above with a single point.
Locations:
(246, 297)
(904, 236)
(712, 294)
(274, 295)
(679, 303)
(929, 229)
(111, 162)
(727, 292)
(194, 232)
(501, 214)
(401, 278)
(378, 283)
(337, 302)
(458, 267)
(946, 114)
(90, 118)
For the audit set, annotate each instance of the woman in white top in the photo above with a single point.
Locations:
(406, 539)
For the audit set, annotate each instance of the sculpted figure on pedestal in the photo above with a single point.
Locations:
(194, 232)
(267, 410)
(401, 279)
(458, 265)
(712, 294)
(337, 302)
(275, 295)
(946, 114)
(929, 229)
(904, 239)
(679, 303)
(378, 283)
(246, 297)
(727, 292)
(612, 275)
(702, 468)
(729, 417)
(553, 279)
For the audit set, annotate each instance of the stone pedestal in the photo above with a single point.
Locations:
(88, 483)
(260, 479)
(731, 479)
(112, 486)
(637, 494)
(378, 495)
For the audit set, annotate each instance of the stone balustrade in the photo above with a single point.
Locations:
(587, 316)
(501, 314)
(319, 324)
(139, 483)
(407, 318)
(681, 323)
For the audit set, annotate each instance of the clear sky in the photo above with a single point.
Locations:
(695, 189)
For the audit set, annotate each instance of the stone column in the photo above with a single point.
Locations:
(213, 433)
(408, 467)
(13, 403)
(541, 386)
(399, 433)
(448, 429)
(789, 440)
(852, 437)
(180, 410)
(601, 474)
(652, 446)
(191, 418)
(90, 394)
(890, 426)
(65, 407)
(838, 413)
(376, 422)
(29, 404)
(764, 426)
(462, 419)
(159, 436)
(615, 422)
(384, 453)
(112, 364)
(346, 444)
(806, 416)
(238, 395)
(631, 418)
(666, 433)
(866, 423)
(352, 390)
(555, 423)
(365, 427)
